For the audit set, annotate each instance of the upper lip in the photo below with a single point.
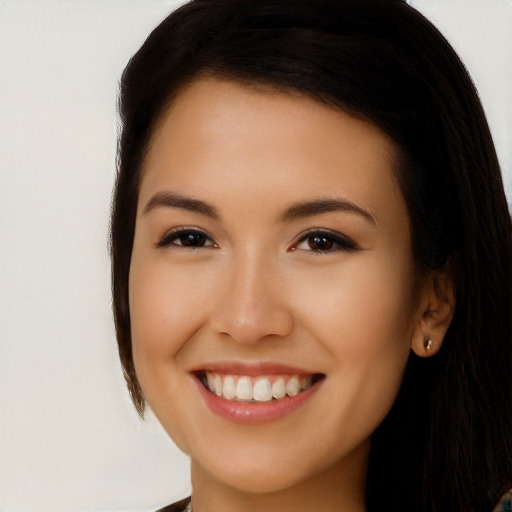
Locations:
(251, 368)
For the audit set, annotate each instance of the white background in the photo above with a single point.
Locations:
(69, 436)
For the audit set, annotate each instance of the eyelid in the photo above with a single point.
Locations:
(343, 242)
(173, 234)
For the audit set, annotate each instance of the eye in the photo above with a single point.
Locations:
(186, 237)
(323, 241)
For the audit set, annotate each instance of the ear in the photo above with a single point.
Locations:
(436, 309)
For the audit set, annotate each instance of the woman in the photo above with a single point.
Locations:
(311, 256)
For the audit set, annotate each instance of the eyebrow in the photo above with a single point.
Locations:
(294, 212)
(173, 200)
(328, 205)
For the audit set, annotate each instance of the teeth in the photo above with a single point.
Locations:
(292, 386)
(262, 390)
(217, 385)
(210, 381)
(244, 388)
(259, 389)
(279, 388)
(229, 389)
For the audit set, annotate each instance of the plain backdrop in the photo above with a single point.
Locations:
(70, 439)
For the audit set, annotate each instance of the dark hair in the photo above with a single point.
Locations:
(446, 443)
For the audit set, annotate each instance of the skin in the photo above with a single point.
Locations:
(257, 290)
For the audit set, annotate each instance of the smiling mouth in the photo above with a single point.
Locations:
(263, 388)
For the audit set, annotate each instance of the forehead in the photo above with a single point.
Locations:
(226, 140)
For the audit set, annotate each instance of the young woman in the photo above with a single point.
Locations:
(311, 255)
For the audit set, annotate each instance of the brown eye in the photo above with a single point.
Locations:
(189, 238)
(192, 239)
(320, 243)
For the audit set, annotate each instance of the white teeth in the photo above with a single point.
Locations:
(279, 388)
(257, 389)
(244, 388)
(292, 386)
(262, 390)
(217, 384)
(229, 389)
(211, 381)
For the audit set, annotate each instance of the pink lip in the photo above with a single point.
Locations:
(252, 369)
(254, 412)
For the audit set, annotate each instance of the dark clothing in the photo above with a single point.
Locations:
(179, 506)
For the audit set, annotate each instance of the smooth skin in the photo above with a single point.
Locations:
(246, 272)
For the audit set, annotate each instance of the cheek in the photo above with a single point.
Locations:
(163, 305)
(158, 314)
(364, 316)
(370, 300)
(163, 318)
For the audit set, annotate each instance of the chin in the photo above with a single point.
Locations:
(259, 477)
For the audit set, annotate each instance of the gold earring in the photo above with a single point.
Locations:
(428, 344)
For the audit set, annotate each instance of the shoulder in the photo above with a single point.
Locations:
(179, 506)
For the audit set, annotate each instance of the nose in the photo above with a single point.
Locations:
(252, 304)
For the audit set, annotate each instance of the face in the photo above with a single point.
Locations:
(272, 284)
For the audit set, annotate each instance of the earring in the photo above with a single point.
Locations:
(428, 344)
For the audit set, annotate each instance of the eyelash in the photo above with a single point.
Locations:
(172, 236)
(337, 242)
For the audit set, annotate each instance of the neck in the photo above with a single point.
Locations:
(339, 488)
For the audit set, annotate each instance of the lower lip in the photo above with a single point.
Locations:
(255, 412)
